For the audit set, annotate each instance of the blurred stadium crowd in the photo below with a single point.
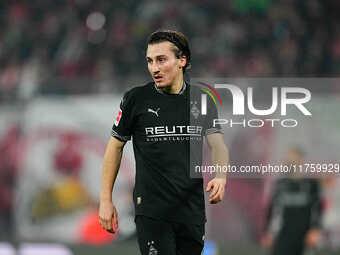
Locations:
(85, 46)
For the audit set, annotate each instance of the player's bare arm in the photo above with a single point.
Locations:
(220, 156)
(111, 164)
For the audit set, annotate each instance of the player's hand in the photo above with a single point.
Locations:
(267, 240)
(312, 238)
(108, 215)
(216, 186)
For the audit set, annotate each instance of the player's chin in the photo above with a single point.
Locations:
(161, 84)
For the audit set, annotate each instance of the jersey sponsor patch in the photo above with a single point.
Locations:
(152, 249)
(119, 116)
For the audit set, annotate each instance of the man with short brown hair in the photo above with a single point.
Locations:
(167, 141)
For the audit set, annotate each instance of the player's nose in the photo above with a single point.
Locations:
(154, 69)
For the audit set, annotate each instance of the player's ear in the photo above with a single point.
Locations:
(183, 61)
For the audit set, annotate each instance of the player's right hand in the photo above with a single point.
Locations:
(108, 216)
(313, 237)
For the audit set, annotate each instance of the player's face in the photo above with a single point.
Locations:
(163, 65)
(293, 158)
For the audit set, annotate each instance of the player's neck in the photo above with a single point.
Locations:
(175, 87)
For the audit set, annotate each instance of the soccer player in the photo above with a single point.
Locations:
(295, 212)
(167, 127)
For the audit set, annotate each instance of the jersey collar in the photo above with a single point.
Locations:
(162, 92)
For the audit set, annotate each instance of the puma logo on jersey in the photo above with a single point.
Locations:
(153, 111)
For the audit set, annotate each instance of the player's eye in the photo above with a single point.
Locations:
(149, 60)
(161, 59)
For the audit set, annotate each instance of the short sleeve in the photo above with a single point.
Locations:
(122, 126)
(212, 114)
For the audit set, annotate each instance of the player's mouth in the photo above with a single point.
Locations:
(158, 78)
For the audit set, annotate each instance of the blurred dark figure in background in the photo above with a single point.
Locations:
(8, 174)
(294, 212)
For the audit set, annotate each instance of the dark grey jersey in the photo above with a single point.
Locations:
(167, 132)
